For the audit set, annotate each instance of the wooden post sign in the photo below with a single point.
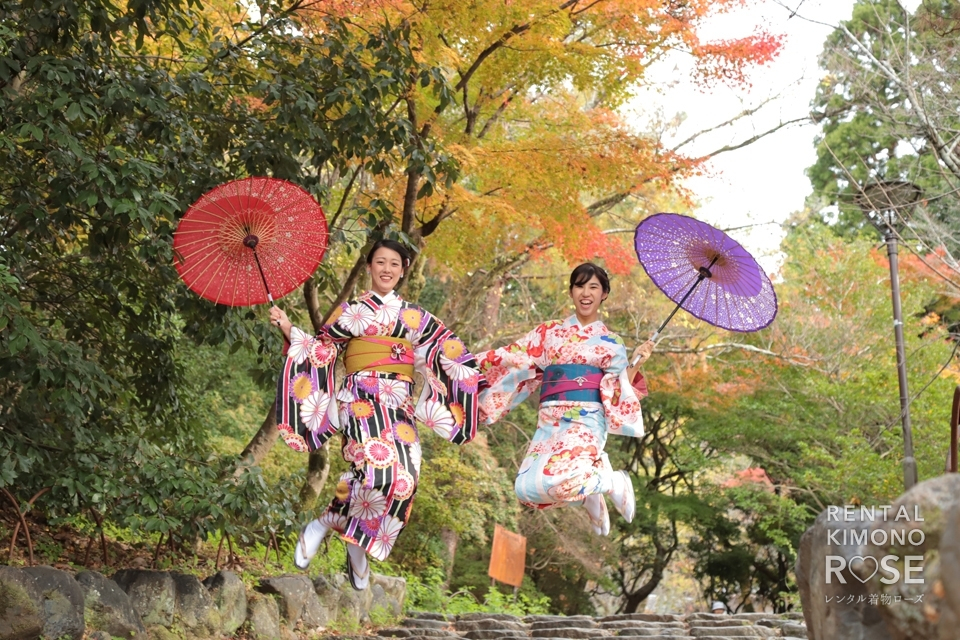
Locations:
(508, 557)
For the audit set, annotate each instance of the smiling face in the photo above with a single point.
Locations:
(587, 298)
(385, 270)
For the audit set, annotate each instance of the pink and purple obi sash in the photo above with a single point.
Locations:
(571, 383)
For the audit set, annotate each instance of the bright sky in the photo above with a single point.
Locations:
(765, 181)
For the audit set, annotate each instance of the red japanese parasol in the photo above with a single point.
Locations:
(250, 240)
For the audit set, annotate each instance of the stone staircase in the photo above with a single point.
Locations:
(632, 626)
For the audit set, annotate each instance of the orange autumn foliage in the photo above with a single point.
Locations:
(535, 128)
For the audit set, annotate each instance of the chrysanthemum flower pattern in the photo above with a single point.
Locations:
(356, 318)
(405, 432)
(403, 485)
(313, 409)
(302, 386)
(300, 344)
(392, 392)
(379, 453)
(437, 417)
(366, 503)
(390, 528)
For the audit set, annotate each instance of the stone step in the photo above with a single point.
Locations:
(564, 623)
(681, 636)
(645, 627)
(575, 633)
(532, 619)
(489, 616)
(647, 617)
(401, 632)
(672, 632)
(487, 624)
(794, 630)
(733, 632)
(788, 626)
(559, 637)
(733, 616)
(729, 637)
(422, 623)
(492, 634)
(429, 615)
(773, 623)
(716, 624)
(625, 625)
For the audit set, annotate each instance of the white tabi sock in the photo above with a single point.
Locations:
(599, 517)
(622, 495)
(358, 564)
(310, 538)
(606, 482)
(592, 505)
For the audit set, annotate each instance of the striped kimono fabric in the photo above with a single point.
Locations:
(375, 411)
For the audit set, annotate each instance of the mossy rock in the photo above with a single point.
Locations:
(21, 608)
(107, 608)
(62, 603)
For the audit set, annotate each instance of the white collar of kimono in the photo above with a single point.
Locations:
(387, 297)
(574, 320)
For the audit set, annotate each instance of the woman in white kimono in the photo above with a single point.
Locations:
(587, 390)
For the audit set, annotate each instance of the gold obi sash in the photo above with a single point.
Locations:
(379, 353)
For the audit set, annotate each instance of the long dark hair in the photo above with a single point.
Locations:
(393, 245)
(582, 274)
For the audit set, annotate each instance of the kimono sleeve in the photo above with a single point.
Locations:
(512, 372)
(448, 400)
(619, 396)
(306, 411)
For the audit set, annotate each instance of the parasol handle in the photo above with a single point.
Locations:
(252, 241)
(704, 273)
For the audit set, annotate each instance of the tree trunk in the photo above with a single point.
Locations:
(312, 299)
(491, 309)
(632, 601)
(318, 468)
(347, 289)
(414, 281)
(261, 443)
(449, 538)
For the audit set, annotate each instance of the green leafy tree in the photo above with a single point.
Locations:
(115, 118)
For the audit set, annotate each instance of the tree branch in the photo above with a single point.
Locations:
(413, 177)
(496, 115)
(347, 287)
(312, 300)
(431, 225)
(752, 139)
(744, 347)
(502, 40)
(743, 114)
(343, 199)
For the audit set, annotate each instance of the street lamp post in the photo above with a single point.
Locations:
(880, 202)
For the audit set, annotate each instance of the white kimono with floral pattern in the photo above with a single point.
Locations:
(565, 461)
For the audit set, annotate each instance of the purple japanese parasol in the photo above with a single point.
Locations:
(706, 272)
